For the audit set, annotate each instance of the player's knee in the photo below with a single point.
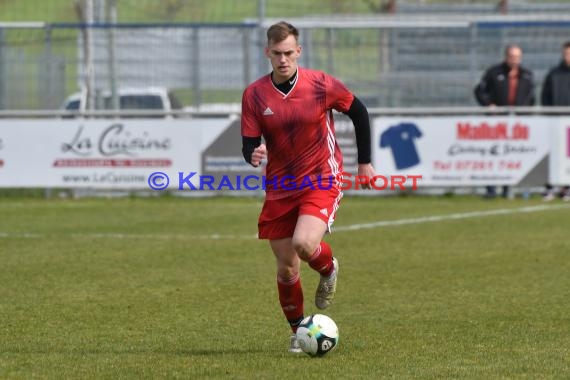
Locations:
(304, 248)
(285, 274)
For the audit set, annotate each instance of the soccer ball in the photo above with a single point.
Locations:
(317, 334)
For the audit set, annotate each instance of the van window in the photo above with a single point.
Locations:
(72, 105)
(137, 102)
(130, 102)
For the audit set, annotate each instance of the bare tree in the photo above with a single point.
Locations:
(172, 8)
(503, 6)
(381, 6)
(338, 6)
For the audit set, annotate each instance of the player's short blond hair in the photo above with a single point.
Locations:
(278, 32)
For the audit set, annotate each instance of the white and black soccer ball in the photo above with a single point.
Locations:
(317, 334)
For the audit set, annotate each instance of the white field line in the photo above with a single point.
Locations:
(350, 227)
(441, 218)
(24, 235)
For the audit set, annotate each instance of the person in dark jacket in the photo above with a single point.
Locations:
(556, 86)
(556, 92)
(506, 84)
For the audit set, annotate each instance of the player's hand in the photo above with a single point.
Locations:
(259, 154)
(366, 170)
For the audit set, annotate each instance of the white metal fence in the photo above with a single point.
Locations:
(389, 61)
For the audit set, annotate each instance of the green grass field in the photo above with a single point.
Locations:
(195, 11)
(180, 288)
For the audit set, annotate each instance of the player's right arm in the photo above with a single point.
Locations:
(252, 149)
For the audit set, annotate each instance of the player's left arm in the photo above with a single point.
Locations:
(342, 99)
(359, 116)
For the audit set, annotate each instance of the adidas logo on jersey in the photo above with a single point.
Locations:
(267, 112)
(324, 212)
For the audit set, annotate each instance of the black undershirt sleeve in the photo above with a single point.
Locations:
(359, 116)
(248, 146)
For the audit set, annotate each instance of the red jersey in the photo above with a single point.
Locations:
(298, 127)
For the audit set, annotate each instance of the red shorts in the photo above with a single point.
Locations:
(278, 217)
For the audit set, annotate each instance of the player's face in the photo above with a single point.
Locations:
(283, 56)
(513, 57)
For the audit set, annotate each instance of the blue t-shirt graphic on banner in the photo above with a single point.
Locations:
(401, 139)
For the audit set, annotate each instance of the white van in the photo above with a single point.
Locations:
(147, 98)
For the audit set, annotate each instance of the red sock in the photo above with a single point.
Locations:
(291, 299)
(321, 260)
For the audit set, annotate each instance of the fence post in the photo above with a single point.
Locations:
(111, 52)
(307, 56)
(383, 51)
(473, 38)
(246, 46)
(330, 50)
(196, 86)
(261, 59)
(2, 70)
(46, 96)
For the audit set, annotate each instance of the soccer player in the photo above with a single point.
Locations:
(291, 108)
